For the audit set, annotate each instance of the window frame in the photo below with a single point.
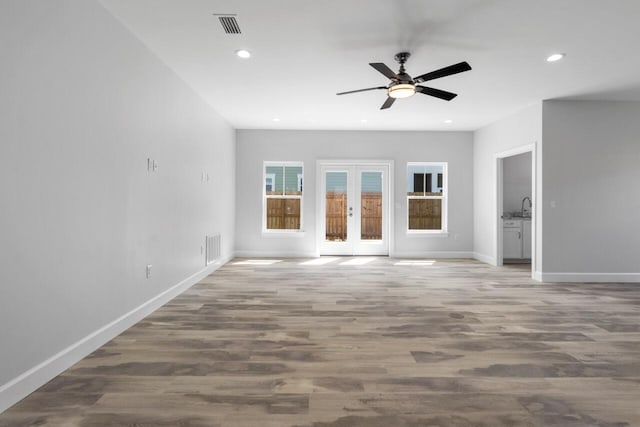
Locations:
(265, 175)
(444, 222)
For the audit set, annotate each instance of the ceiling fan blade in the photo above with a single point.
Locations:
(361, 90)
(442, 94)
(443, 72)
(388, 103)
(380, 67)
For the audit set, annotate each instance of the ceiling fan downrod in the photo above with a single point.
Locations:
(401, 58)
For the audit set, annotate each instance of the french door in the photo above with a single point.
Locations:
(354, 209)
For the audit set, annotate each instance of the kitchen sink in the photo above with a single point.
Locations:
(515, 215)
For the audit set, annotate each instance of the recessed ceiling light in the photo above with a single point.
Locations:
(364, 120)
(555, 57)
(275, 119)
(242, 53)
(448, 121)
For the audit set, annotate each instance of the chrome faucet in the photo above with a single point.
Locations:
(530, 205)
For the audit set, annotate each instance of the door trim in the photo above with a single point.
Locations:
(355, 162)
(535, 211)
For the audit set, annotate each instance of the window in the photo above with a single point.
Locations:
(282, 196)
(427, 197)
(421, 181)
(269, 178)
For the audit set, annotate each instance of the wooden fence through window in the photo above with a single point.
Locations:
(370, 216)
(283, 214)
(336, 217)
(425, 214)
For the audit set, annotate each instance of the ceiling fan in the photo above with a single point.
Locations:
(403, 86)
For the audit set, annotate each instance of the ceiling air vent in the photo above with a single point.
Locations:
(229, 23)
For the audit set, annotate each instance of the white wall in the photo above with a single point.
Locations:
(592, 177)
(256, 146)
(518, 130)
(83, 105)
(517, 181)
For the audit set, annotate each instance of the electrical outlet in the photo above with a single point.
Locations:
(152, 165)
(149, 271)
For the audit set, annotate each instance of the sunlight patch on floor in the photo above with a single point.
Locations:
(319, 261)
(358, 261)
(258, 262)
(416, 262)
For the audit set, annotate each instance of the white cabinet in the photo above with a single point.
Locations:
(512, 239)
(516, 239)
(526, 239)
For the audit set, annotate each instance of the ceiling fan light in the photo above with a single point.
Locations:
(402, 90)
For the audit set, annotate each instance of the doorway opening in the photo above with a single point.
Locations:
(515, 209)
(354, 217)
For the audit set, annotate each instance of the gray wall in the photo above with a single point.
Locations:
(592, 177)
(83, 105)
(517, 181)
(588, 157)
(256, 146)
(520, 129)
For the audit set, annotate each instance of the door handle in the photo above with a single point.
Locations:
(519, 235)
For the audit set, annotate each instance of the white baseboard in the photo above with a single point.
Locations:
(421, 254)
(29, 381)
(485, 258)
(588, 277)
(434, 254)
(275, 254)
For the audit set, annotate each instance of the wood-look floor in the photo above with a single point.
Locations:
(445, 343)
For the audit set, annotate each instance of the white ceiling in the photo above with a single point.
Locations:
(305, 51)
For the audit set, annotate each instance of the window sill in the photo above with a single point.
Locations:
(426, 233)
(283, 233)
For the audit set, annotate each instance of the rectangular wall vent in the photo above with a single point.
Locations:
(229, 24)
(212, 248)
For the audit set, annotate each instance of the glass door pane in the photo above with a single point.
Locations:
(371, 206)
(336, 206)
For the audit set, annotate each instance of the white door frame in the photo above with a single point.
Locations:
(354, 162)
(499, 159)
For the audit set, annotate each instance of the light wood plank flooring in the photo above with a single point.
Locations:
(387, 343)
